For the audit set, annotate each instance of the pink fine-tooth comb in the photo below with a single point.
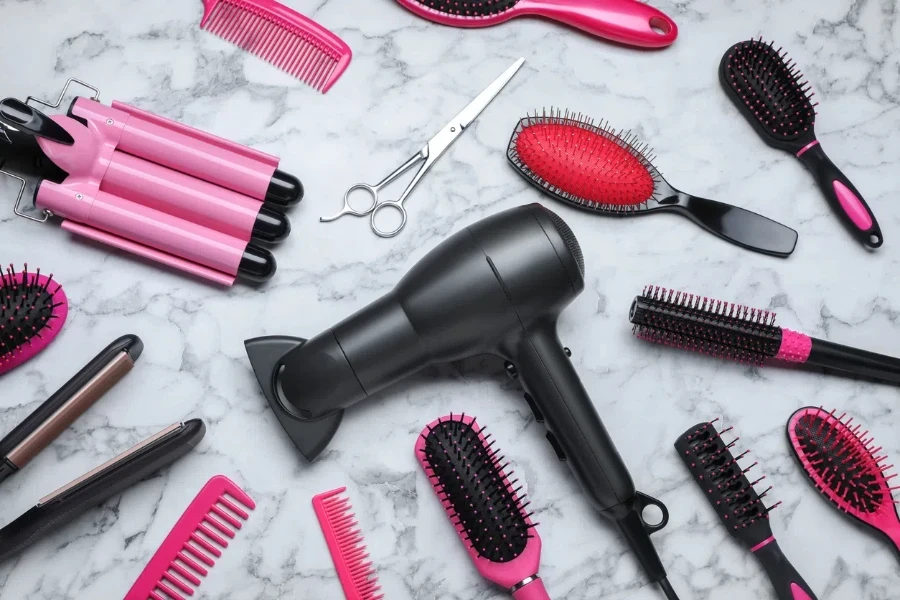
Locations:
(198, 537)
(280, 36)
(624, 21)
(487, 507)
(345, 542)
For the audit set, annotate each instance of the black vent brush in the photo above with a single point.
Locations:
(771, 92)
(740, 508)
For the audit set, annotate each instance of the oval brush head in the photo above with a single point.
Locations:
(487, 509)
(468, 8)
(705, 325)
(770, 90)
(582, 163)
(33, 309)
(843, 462)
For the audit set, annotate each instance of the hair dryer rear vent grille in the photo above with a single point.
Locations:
(569, 238)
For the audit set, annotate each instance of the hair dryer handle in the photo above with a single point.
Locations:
(579, 437)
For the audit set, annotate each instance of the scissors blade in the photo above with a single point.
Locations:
(477, 106)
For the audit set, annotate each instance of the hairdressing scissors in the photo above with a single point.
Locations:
(428, 155)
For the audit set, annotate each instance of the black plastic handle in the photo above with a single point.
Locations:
(853, 360)
(784, 577)
(20, 115)
(549, 377)
(844, 198)
(737, 225)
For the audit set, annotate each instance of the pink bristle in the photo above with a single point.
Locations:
(283, 38)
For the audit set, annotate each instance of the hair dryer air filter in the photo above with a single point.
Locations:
(496, 287)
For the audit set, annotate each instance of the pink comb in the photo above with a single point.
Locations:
(280, 36)
(173, 571)
(345, 542)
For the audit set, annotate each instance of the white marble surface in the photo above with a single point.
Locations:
(407, 79)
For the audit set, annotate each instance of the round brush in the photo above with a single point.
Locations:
(771, 92)
(597, 168)
(744, 334)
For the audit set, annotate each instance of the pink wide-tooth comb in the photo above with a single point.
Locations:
(843, 462)
(280, 36)
(345, 543)
(33, 309)
(194, 543)
(488, 510)
(624, 21)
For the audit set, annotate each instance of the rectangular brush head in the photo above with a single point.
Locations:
(725, 484)
(280, 36)
(345, 542)
(194, 543)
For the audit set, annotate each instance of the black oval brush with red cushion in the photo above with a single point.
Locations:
(597, 168)
(771, 92)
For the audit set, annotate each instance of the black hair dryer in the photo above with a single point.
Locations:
(496, 287)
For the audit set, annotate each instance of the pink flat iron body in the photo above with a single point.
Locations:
(624, 21)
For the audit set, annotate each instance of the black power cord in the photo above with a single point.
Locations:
(667, 588)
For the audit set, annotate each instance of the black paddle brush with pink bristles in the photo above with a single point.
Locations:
(741, 509)
(597, 168)
(771, 92)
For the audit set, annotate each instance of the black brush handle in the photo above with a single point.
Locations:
(853, 360)
(784, 577)
(844, 198)
(738, 226)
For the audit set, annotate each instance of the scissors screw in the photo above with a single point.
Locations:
(453, 129)
(79, 197)
(109, 121)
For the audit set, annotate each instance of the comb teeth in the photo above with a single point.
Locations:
(33, 308)
(771, 87)
(725, 483)
(705, 325)
(843, 462)
(578, 161)
(283, 38)
(195, 542)
(347, 547)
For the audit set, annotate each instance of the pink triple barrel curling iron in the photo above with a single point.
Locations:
(151, 186)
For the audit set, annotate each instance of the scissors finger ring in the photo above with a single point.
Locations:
(391, 232)
(371, 191)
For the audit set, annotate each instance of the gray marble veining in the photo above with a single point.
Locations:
(408, 77)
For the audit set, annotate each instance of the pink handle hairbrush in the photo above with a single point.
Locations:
(624, 21)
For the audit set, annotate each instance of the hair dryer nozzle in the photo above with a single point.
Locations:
(266, 356)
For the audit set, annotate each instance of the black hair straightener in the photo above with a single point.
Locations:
(93, 488)
(61, 409)
(58, 412)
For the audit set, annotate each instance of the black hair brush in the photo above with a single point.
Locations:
(739, 506)
(770, 91)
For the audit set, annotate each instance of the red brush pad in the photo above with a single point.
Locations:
(589, 164)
